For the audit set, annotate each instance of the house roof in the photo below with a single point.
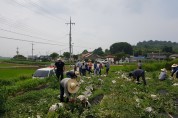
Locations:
(174, 55)
(110, 56)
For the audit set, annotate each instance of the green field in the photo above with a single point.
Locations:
(113, 96)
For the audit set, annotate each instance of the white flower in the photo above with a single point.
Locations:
(55, 107)
(82, 98)
(153, 96)
(175, 84)
(137, 100)
(149, 109)
(113, 81)
(89, 88)
(87, 93)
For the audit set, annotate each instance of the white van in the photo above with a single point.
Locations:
(44, 73)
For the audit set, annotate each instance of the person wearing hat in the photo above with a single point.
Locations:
(136, 74)
(174, 70)
(68, 86)
(163, 74)
(69, 74)
(60, 67)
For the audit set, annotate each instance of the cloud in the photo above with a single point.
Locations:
(98, 23)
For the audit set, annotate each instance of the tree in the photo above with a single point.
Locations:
(98, 51)
(54, 55)
(66, 55)
(19, 57)
(75, 57)
(121, 47)
(85, 51)
(107, 51)
(167, 49)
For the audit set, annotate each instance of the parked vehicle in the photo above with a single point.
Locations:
(103, 61)
(44, 73)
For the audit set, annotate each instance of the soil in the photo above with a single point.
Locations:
(162, 91)
(96, 100)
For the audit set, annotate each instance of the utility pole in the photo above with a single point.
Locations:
(70, 36)
(17, 51)
(32, 50)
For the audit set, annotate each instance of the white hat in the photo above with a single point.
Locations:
(59, 58)
(72, 86)
(163, 69)
(77, 73)
(174, 65)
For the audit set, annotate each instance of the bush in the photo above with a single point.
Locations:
(3, 99)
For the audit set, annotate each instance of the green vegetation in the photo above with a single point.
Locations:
(112, 96)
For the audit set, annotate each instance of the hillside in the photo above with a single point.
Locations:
(157, 45)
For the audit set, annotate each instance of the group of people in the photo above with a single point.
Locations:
(70, 84)
(90, 67)
(174, 72)
(139, 72)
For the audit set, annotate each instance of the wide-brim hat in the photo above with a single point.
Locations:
(77, 73)
(72, 86)
(59, 58)
(163, 70)
(174, 65)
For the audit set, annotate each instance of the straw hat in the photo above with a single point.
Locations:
(163, 70)
(77, 73)
(174, 65)
(72, 86)
(59, 58)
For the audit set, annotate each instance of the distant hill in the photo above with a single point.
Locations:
(157, 45)
(4, 57)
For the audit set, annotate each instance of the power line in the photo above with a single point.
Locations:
(44, 10)
(27, 35)
(28, 41)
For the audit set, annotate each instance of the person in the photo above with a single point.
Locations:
(136, 74)
(107, 67)
(84, 68)
(139, 64)
(79, 65)
(97, 69)
(100, 67)
(68, 86)
(60, 67)
(174, 70)
(95, 66)
(89, 67)
(163, 74)
(69, 74)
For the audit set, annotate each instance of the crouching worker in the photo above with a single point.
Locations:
(136, 74)
(163, 74)
(68, 86)
(174, 70)
(69, 74)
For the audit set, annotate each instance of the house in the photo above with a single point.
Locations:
(110, 58)
(90, 56)
(136, 59)
(34, 57)
(45, 58)
(156, 56)
(173, 56)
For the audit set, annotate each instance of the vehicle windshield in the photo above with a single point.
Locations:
(41, 73)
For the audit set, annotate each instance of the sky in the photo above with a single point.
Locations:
(41, 24)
